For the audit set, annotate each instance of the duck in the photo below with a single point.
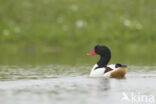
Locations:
(101, 69)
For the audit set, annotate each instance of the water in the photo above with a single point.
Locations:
(61, 84)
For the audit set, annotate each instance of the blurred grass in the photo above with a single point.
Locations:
(62, 31)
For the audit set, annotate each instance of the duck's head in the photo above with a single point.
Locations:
(104, 53)
(99, 50)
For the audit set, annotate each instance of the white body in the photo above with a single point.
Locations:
(99, 72)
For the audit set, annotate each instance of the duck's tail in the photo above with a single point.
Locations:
(119, 73)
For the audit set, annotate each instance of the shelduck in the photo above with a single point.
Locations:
(101, 69)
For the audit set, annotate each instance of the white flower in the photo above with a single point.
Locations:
(6, 32)
(17, 30)
(80, 23)
(127, 22)
(74, 7)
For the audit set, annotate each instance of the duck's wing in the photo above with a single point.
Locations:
(107, 69)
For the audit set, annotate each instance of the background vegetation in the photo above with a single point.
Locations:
(63, 31)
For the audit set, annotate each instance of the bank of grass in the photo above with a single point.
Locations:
(69, 28)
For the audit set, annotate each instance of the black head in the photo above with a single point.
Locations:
(104, 52)
(101, 50)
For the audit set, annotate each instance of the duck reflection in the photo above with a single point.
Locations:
(104, 84)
